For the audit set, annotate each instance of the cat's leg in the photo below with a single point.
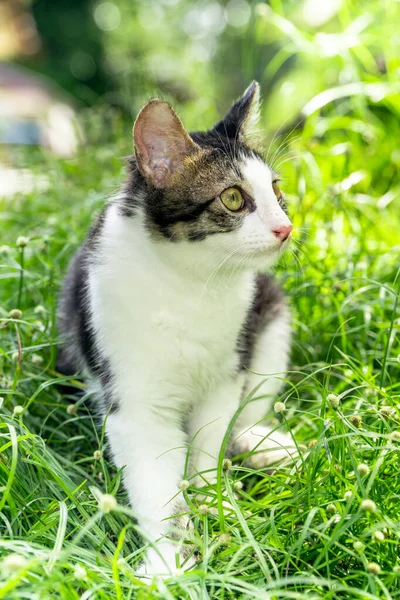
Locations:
(270, 358)
(207, 426)
(147, 440)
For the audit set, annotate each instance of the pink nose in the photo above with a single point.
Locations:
(283, 232)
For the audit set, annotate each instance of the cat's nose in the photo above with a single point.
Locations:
(283, 232)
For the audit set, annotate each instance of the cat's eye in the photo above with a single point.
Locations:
(232, 199)
(277, 190)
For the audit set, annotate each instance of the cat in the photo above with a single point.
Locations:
(168, 311)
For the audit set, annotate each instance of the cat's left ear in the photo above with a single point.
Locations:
(241, 121)
(161, 143)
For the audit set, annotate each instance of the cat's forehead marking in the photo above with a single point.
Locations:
(260, 177)
(256, 173)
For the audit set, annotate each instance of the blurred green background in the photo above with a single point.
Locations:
(200, 54)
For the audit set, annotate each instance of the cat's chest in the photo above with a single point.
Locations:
(172, 321)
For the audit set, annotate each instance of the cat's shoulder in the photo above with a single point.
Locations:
(268, 299)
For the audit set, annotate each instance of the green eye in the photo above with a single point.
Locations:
(277, 191)
(232, 199)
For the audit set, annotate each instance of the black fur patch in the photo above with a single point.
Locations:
(75, 325)
(268, 303)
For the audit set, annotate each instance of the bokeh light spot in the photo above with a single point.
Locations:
(107, 16)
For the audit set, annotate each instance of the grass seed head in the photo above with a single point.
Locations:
(15, 313)
(359, 546)
(36, 359)
(368, 505)
(80, 573)
(22, 241)
(97, 455)
(363, 469)
(356, 420)
(395, 436)
(226, 464)
(333, 400)
(204, 509)
(379, 536)
(107, 503)
(18, 410)
(279, 407)
(374, 568)
(14, 562)
(225, 538)
(386, 411)
(39, 310)
(183, 485)
(72, 409)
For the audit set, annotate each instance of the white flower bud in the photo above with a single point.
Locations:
(14, 562)
(22, 241)
(36, 359)
(386, 411)
(363, 469)
(368, 505)
(333, 400)
(107, 503)
(374, 568)
(39, 310)
(359, 546)
(80, 573)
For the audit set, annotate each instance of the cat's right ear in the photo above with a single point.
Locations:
(241, 121)
(161, 143)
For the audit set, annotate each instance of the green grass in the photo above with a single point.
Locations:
(297, 532)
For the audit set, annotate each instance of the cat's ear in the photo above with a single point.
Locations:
(241, 121)
(161, 143)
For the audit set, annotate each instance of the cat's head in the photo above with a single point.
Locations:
(210, 190)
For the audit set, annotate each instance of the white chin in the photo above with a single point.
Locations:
(263, 262)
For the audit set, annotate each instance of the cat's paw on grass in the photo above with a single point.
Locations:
(265, 447)
(165, 561)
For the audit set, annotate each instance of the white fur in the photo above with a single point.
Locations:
(258, 227)
(168, 317)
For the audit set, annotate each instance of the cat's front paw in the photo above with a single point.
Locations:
(265, 447)
(165, 562)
